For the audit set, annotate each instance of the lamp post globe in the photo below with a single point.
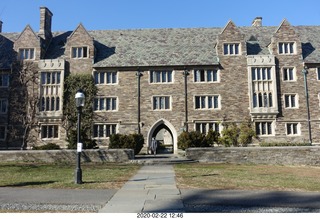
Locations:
(80, 99)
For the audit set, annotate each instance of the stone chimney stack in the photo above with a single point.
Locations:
(1, 26)
(257, 22)
(45, 23)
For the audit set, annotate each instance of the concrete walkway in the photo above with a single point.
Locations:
(152, 189)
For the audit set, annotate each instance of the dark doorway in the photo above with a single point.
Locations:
(164, 138)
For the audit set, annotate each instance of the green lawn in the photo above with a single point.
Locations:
(194, 175)
(248, 177)
(94, 176)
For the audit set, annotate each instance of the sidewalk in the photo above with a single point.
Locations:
(152, 189)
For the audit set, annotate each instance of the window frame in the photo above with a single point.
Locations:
(45, 129)
(285, 74)
(98, 101)
(205, 72)
(290, 126)
(266, 128)
(198, 101)
(98, 78)
(50, 91)
(318, 73)
(96, 133)
(232, 49)
(2, 80)
(4, 132)
(296, 101)
(165, 77)
(23, 52)
(75, 52)
(159, 106)
(216, 126)
(6, 101)
(284, 48)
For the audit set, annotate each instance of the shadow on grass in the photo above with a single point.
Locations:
(22, 184)
(201, 175)
(235, 201)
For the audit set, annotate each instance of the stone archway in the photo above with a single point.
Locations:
(168, 130)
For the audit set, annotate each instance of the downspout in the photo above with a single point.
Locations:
(185, 74)
(8, 106)
(138, 75)
(305, 72)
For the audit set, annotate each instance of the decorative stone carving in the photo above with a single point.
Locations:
(51, 64)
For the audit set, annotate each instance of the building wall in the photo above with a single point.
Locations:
(233, 87)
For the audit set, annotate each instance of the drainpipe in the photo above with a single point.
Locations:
(305, 72)
(139, 74)
(185, 74)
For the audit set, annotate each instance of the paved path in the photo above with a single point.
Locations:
(152, 189)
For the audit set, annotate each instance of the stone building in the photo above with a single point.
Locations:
(153, 81)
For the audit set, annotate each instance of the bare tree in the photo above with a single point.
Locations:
(24, 101)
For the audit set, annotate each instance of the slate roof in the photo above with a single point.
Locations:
(6, 45)
(156, 47)
(171, 47)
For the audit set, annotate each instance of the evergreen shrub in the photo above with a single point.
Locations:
(49, 146)
(192, 139)
(131, 141)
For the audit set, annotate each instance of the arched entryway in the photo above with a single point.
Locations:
(165, 133)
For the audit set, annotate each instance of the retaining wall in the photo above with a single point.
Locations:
(67, 156)
(305, 155)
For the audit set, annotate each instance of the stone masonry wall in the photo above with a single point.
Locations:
(68, 156)
(257, 155)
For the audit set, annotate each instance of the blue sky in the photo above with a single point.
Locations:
(140, 14)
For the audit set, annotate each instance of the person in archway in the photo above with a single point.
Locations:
(153, 146)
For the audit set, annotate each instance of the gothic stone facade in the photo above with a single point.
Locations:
(160, 82)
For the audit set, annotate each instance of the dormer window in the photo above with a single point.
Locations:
(26, 54)
(79, 52)
(231, 48)
(286, 48)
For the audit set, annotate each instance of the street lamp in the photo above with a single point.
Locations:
(80, 97)
(305, 72)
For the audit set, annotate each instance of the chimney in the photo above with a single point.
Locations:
(257, 22)
(1, 26)
(45, 23)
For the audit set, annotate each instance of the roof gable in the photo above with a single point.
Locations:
(28, 31)
(231, 32)
(286, 30)
(230, 25)
(80, 30)
(28, 38)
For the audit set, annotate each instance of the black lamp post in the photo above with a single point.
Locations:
(80, 97)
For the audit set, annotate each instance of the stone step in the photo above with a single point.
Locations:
(161, 159)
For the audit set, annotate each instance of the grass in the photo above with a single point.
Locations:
(192, 175)
(94, 176)
(248, 177)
